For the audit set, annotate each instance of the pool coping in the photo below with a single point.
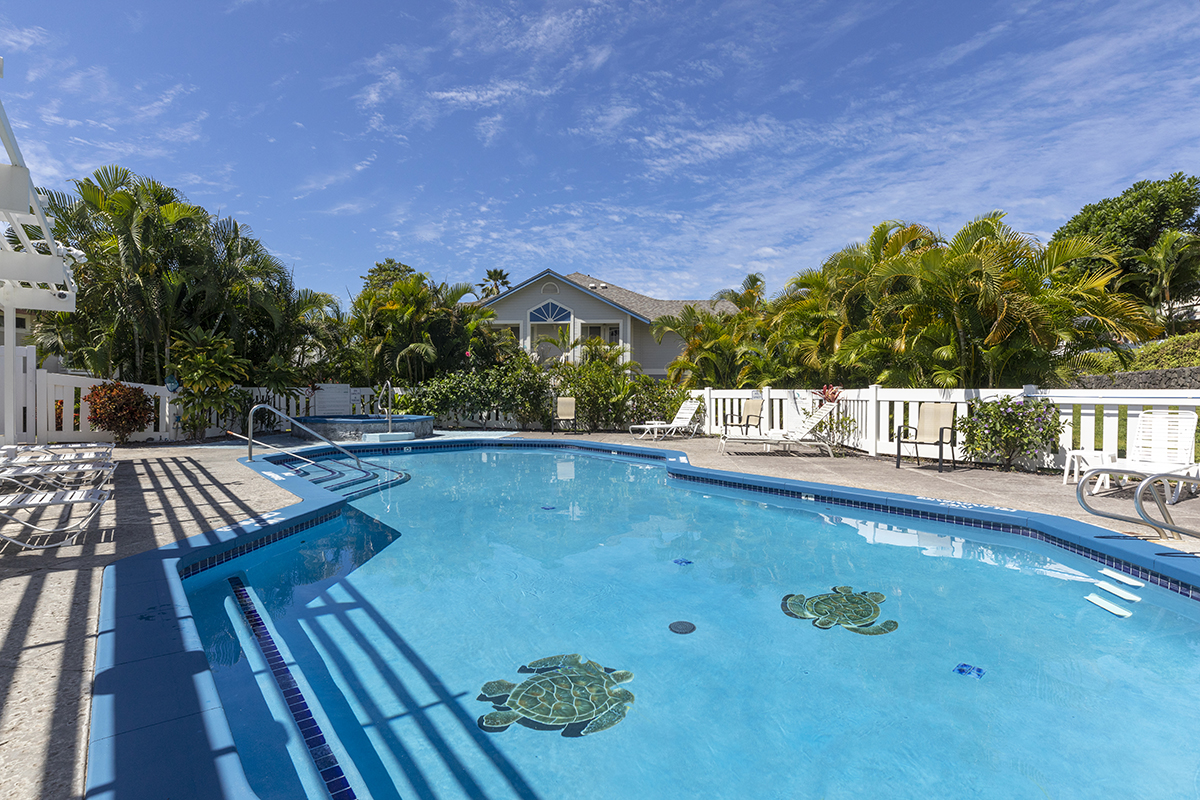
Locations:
(155, 708)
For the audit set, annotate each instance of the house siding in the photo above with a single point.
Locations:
(653, 356)
(586, 309)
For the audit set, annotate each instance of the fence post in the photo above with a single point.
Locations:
(709, 424)
(766, 422)
(873, 415)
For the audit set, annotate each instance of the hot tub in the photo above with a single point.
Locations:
(364, 427)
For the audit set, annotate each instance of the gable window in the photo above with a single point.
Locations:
(550, 288)
(550, 312)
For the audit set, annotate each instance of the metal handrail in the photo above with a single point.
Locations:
(1081, 493)
(1152, 482)
(278, 413)
(331, 471)
(391, 395)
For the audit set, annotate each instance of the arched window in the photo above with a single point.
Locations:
(550, 288)
(550, 312)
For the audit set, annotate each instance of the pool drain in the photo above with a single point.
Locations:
(682, 626)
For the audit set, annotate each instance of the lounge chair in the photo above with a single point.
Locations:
(7, 459)
(682, 423)
(564, 414)
(751, 415)
(935, 425)
(33, 501)
(1159, 441)
(37, 477)
(804, 434)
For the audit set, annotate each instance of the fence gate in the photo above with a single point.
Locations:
(26, 374)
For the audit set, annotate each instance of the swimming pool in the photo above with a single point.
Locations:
(998, 679)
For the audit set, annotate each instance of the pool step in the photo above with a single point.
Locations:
(1112, 608)
(1115, 591)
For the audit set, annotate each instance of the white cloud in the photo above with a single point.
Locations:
(489, 128)
(20, 40)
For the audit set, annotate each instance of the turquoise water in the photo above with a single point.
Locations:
(486, 561)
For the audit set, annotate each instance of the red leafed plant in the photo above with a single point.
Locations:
(119, 409)
(828, 393)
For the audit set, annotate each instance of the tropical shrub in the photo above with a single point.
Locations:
(1010, 428)
(515, 387)
(118, 409)
(209, 371)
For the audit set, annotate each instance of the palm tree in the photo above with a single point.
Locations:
(1171, 262)
(495, 282)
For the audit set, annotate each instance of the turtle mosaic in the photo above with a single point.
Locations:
(565, 690)
(854, 612)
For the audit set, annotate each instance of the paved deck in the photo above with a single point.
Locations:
(49, 600)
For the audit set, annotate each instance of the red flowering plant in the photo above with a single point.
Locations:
(119, 409)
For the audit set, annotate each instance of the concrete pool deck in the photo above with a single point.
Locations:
(49, 600)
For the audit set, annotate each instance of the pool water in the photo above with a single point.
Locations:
(999, 680)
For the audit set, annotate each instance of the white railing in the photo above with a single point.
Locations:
(62, 413)
(878, 411)
(26, 392)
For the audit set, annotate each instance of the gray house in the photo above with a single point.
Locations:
(587, 307)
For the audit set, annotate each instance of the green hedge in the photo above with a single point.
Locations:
(1177, 351)
(607, 396)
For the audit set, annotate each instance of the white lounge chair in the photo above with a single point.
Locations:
(44, 457)
(1158, 442)
(36, 477)
(676, 427)
(804, 434)
(33, 501)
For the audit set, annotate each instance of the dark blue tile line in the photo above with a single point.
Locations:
(314, 739)
(255, 544)
(1150, 576)
(476, 444)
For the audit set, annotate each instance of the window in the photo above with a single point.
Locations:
(550, 312)
(609, 332)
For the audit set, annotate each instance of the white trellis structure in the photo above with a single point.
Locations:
(35, 271)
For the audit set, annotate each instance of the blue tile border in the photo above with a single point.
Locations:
(314, 738)
(1180, 587)
(184, 749)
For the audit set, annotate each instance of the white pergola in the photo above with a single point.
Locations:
(34, 275)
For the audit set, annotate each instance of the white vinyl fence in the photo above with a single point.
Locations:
(1091, 417)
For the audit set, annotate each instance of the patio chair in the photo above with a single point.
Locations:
(37, 477)
(34, 501)
(804, 434)
(751, 414)
(682, 423)
(1158, 442)
(564, 414)
(8, 459)
(935, 425)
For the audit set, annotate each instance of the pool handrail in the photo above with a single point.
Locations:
(1151, 482)
(294, 421)
(1081, 493)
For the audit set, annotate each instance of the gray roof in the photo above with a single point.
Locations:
(648, 307)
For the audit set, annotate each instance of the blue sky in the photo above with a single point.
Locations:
(669, 147)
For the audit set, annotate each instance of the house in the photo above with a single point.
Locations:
(584, 308)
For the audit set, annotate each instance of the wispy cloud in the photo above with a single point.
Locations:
(14, 39)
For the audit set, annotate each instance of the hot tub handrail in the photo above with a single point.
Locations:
(1159, 499)
(1081, 493)
(294, 421)
(391, 396)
